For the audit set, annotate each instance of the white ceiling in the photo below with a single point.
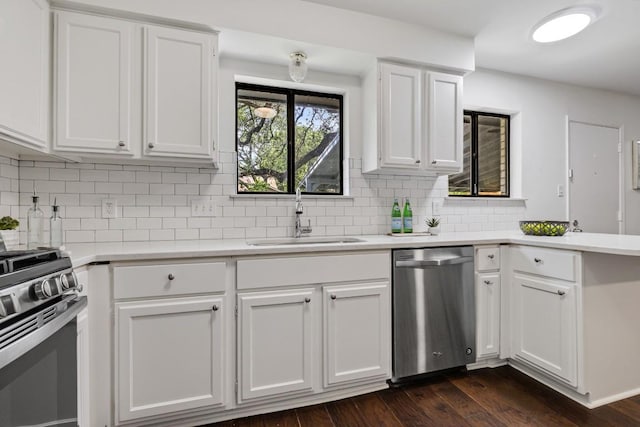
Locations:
(606, 55)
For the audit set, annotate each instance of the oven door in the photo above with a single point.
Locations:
(38, 371)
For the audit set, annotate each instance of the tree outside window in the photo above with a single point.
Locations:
(485, 170)
(288, 140)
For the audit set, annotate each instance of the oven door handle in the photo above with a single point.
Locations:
(434, 262)
(26, 343)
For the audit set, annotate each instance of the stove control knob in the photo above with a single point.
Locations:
(69, 281)
(46, 289)
(7, 306)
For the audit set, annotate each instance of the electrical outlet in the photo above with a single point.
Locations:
(109, 208)
(202, 207)
(436, 207)
(560, 190)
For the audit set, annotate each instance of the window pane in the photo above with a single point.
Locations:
(492, 156)
(460, 184)
(261, 141)
(317, 151)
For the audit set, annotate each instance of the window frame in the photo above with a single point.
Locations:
(475, 169)
(290, 94)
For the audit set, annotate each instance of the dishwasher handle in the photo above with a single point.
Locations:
(434, 262)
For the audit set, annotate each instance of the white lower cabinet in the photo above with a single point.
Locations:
(487, 314)
(275, 339)
(169, 355)
(544, 325)
(356, 332)
(545, 312)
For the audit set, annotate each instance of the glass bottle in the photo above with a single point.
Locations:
(396, 217)
(407, 217)
(55, 227)
(35, 225)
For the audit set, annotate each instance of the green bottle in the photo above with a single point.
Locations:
(396, 218)
(407, 223)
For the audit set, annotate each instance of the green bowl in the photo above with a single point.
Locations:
(544, 228)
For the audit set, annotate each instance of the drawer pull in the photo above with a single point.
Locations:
(333, 296)
(537, 260)
(171, 276)
(561, 293)
(215, 308)
(121, 144)
(151, 145)
(491, 256)
(307, 300)
(488, 282)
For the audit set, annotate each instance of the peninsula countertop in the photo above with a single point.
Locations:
(84, 253)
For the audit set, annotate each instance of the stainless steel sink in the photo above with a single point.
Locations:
(304, 241)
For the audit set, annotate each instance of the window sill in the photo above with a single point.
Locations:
(490, 199)
(271, 196)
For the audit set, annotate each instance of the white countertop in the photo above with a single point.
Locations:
(84, 253)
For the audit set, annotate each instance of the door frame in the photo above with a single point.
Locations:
(621, 168)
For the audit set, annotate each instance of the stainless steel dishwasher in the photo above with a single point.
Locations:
(433, 310)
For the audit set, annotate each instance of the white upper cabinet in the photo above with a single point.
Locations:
(400, 116)
(417, 125)
(93, 84)
(126, 87)
(177, 102)
(24, 74)
(445, 135)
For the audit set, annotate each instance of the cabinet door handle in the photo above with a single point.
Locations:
(488, 282)
(418, 162)
(151, 145)
(561, 292)
(334, 296)
(171, 276)
(121, 144)
(491, 256)
(537, 260)
(215, 308)
(433, 162)
(307, 300)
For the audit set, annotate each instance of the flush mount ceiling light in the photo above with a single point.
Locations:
(564, 24)
(265, 112)
(298, 66)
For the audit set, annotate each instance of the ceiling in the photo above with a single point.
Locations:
(606, 55)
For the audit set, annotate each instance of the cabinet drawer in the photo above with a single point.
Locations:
(142, 281)
(545, 262)
(312, 270)
(488, 258)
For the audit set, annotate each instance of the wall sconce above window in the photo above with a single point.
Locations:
(298, 66)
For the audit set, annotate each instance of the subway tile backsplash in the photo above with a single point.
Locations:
(154, 203)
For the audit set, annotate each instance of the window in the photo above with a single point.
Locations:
(287, 140)
(485, 170)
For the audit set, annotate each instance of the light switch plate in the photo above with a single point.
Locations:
(202, 206)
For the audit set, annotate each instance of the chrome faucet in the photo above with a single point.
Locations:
(300, 229)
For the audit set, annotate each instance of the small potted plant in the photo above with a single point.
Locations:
(434, 226)
(8, 232)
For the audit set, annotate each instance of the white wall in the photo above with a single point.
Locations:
(543, 108)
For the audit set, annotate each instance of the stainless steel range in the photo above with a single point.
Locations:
(39, 303)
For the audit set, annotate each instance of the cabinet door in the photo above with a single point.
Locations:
(445, 122)
(93, 84)
(400, 116)
(179, 77)
(275, 343)
(169, 356)
(488, 314)
(357, 332)
(24, 74)
(543, 325)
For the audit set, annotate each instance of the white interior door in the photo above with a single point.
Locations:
(595, 177)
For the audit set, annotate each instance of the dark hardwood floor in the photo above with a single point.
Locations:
(486, 397)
